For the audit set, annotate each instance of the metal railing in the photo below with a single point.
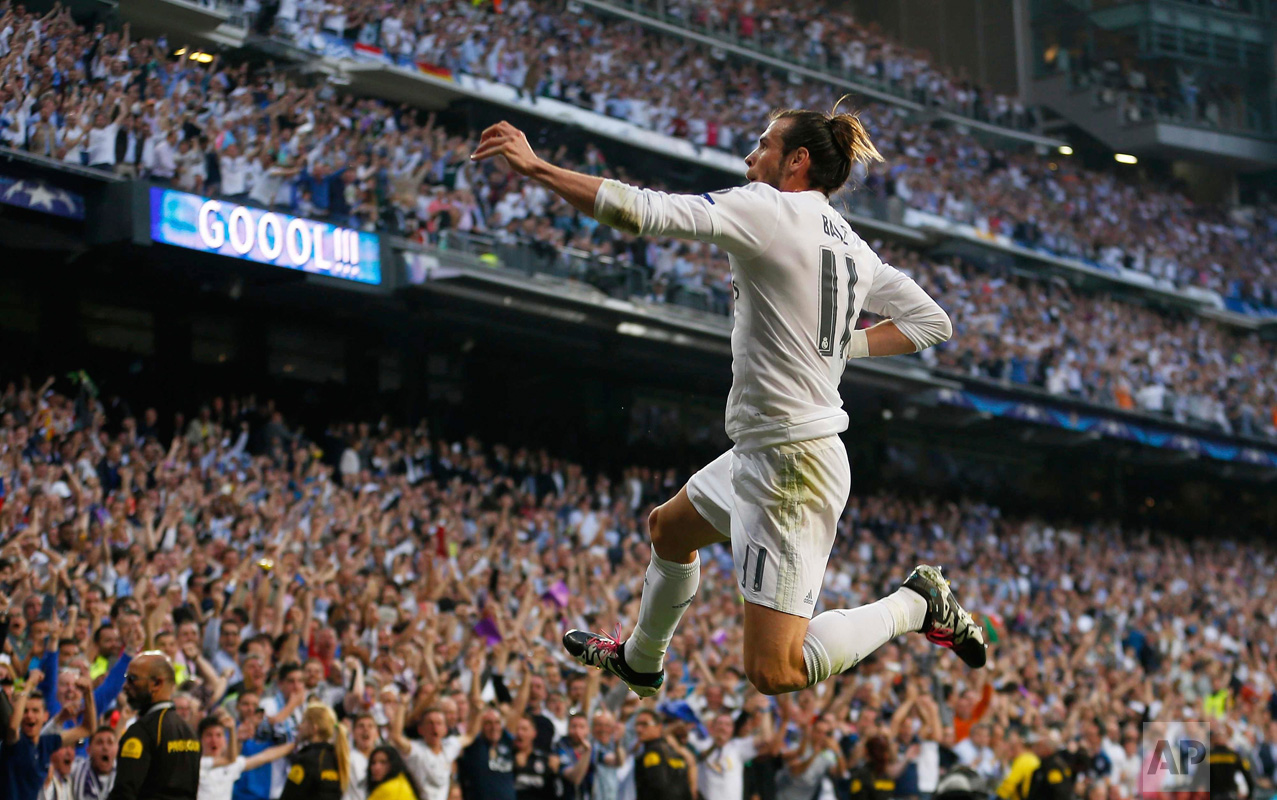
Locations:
(614, 277)
(1134, 107)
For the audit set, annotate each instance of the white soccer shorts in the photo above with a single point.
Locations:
(779, 506)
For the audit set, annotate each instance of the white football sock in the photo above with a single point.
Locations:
(668, 589)
(838, 640)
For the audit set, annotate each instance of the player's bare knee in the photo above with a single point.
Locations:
(774, 679)
(663, 541)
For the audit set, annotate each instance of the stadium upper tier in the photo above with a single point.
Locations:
(681, 89)
(258, 137)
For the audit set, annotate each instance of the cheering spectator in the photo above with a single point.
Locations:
(92, 777)
(58, 785)
(220, 766)
(388, 779)
(536, 772)
(255, 737)
(812, 762)
(429, 761)
(27, 753)
(721, 775)
(364, 735)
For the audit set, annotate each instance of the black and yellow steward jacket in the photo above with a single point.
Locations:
(1220, 773)
(1053, 779)
(865, 784)
(159, 758)
(313, 774)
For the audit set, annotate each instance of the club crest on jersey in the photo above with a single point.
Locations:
(834, 229)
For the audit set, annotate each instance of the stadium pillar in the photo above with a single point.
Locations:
(62, 342)
(251, 348)
(363, 367)
(173, 355)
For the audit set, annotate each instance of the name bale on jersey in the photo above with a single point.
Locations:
(834, 229)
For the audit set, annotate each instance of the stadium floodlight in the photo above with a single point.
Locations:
(1124, 158)
(1065, 150)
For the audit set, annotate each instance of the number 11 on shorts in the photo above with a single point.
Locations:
(758, 555)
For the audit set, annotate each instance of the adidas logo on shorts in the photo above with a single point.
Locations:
(808, 599)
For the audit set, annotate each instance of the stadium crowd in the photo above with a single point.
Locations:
(1039, 333)
(418, 587)
(102, 99)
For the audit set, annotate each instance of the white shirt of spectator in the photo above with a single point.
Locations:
(358, 788)
(234, 174)
(101, 145)
(928, 766)
(217, 783)
(190, 168)
(56, 787)
(722, 770)
(981, 759)
(431, 770)
(265, 183)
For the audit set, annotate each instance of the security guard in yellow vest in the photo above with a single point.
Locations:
(159, 756)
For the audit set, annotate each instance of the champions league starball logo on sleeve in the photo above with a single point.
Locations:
(266, 237)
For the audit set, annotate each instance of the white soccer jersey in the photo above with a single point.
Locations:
(801, 277)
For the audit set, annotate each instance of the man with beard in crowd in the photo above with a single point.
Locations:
(159, 755)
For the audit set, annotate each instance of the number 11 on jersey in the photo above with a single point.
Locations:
(829, 303)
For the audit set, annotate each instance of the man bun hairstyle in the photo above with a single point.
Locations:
(834, 141)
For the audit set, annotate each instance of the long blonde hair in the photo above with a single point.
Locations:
(328, 729)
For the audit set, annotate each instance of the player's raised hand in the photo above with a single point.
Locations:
(503, 139)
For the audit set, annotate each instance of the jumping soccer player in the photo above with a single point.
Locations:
(801, 277)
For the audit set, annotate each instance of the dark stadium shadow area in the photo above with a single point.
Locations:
(163, 330)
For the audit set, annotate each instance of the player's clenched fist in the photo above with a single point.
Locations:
(503, 139)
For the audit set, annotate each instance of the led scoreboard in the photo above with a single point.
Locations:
(266, 237)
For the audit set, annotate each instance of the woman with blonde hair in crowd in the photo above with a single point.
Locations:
(321, 768)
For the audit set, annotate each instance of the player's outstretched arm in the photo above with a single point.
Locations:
(741, 220)
(503, 139)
